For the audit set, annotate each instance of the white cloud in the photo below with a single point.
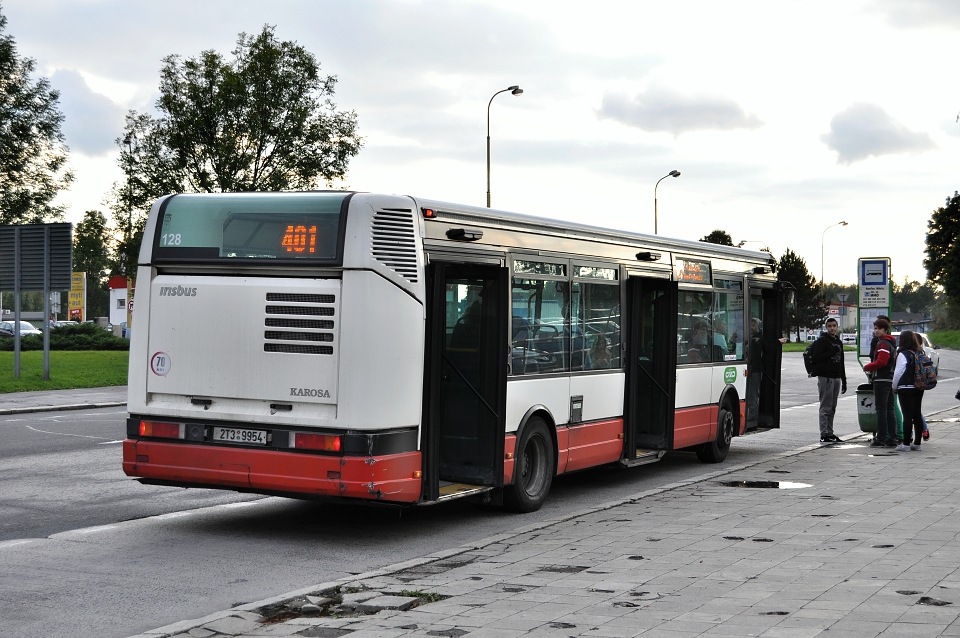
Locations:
(865, 130)
(665, 110)
(91, 120)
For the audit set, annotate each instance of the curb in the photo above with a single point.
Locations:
(54, 408)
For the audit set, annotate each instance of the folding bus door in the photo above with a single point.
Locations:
(465, 379)
(764, 356)
(651, 367)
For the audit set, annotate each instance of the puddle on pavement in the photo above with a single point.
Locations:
(771, 485)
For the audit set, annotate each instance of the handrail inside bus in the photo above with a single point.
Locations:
(470, 385)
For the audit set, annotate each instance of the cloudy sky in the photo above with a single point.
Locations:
(784, 118)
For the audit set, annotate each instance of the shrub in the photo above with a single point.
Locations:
(84, 336)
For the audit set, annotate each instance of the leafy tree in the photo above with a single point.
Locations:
(264, 120)
(913, 296)
(91, 255)
(718, 237)
(809, 309)
(943, 254)
(33, 155)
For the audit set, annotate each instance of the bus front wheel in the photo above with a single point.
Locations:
(533, 472)
(716, 451)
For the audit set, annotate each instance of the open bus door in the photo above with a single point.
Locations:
(764, 356)
(466, 364)
(651, 365)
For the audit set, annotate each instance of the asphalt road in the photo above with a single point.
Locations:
(87, 552)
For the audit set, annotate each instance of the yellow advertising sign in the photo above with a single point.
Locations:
(78, 296)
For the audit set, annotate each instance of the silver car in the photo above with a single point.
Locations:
(26, 329)
(928, 348)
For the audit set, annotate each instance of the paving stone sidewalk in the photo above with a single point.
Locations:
(831, 541)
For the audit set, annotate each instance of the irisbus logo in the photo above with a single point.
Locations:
(177, 291)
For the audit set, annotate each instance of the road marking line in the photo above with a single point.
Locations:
(82, 436)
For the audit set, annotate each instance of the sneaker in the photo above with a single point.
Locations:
(916, 448)
(889, 444)
(926, 435)
(903, 447)
(876, 444)
(825, 438)
(835, 438)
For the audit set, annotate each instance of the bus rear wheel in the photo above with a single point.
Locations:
(534, 469)
(716, 451)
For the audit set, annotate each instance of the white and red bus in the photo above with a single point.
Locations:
(404, 350)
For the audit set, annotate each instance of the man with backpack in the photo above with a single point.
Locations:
(883, 360)
(826, 357)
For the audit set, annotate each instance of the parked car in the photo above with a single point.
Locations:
(26, 329)
(928, 348)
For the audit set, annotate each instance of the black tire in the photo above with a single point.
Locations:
(716, 451)
(534, 469)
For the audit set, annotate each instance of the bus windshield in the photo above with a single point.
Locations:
(251, 226)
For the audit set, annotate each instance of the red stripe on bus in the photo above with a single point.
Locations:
(590, 444)
(392, 477)
(693, 426)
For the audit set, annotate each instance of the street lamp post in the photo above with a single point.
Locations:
(673, 173)
(514, 90)
(823, 285)
(128, 142)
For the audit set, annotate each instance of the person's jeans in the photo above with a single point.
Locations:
(886, 419)
(910, 400)
(829, 390)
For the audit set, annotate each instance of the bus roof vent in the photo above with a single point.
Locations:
(394, 242)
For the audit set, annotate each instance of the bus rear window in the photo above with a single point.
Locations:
(251, 226)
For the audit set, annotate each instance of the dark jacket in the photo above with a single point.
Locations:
(883, 358)
(827, 355)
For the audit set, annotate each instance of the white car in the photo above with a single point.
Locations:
(927, 348)
(26, 329)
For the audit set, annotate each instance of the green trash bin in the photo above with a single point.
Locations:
(866, 410)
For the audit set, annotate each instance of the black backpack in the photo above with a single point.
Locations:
(808, 359)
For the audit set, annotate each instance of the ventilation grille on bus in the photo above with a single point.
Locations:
(298, 323)
(394, 242)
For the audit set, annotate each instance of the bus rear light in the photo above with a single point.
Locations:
(323, 442)
(428, 213)
(417, 474)
(160, 429)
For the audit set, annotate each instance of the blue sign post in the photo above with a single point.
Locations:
(875, 288)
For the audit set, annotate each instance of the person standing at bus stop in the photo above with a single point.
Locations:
(827, 355)
(880, 370)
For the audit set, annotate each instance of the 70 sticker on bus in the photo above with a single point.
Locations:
(160, 364)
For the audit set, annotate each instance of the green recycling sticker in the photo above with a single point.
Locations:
(730, 375)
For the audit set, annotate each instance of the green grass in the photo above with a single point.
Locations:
(68, 369)
(945, 339)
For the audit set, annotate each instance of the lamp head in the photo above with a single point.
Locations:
(515, 90)
(843, 223)
(674, 173)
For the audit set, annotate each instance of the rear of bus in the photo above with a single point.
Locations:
(277, 346)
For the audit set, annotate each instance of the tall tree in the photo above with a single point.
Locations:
(718, 236)
(264, 120)
(92, 256)
(809, 309)
(33, 155)
(943, 254)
